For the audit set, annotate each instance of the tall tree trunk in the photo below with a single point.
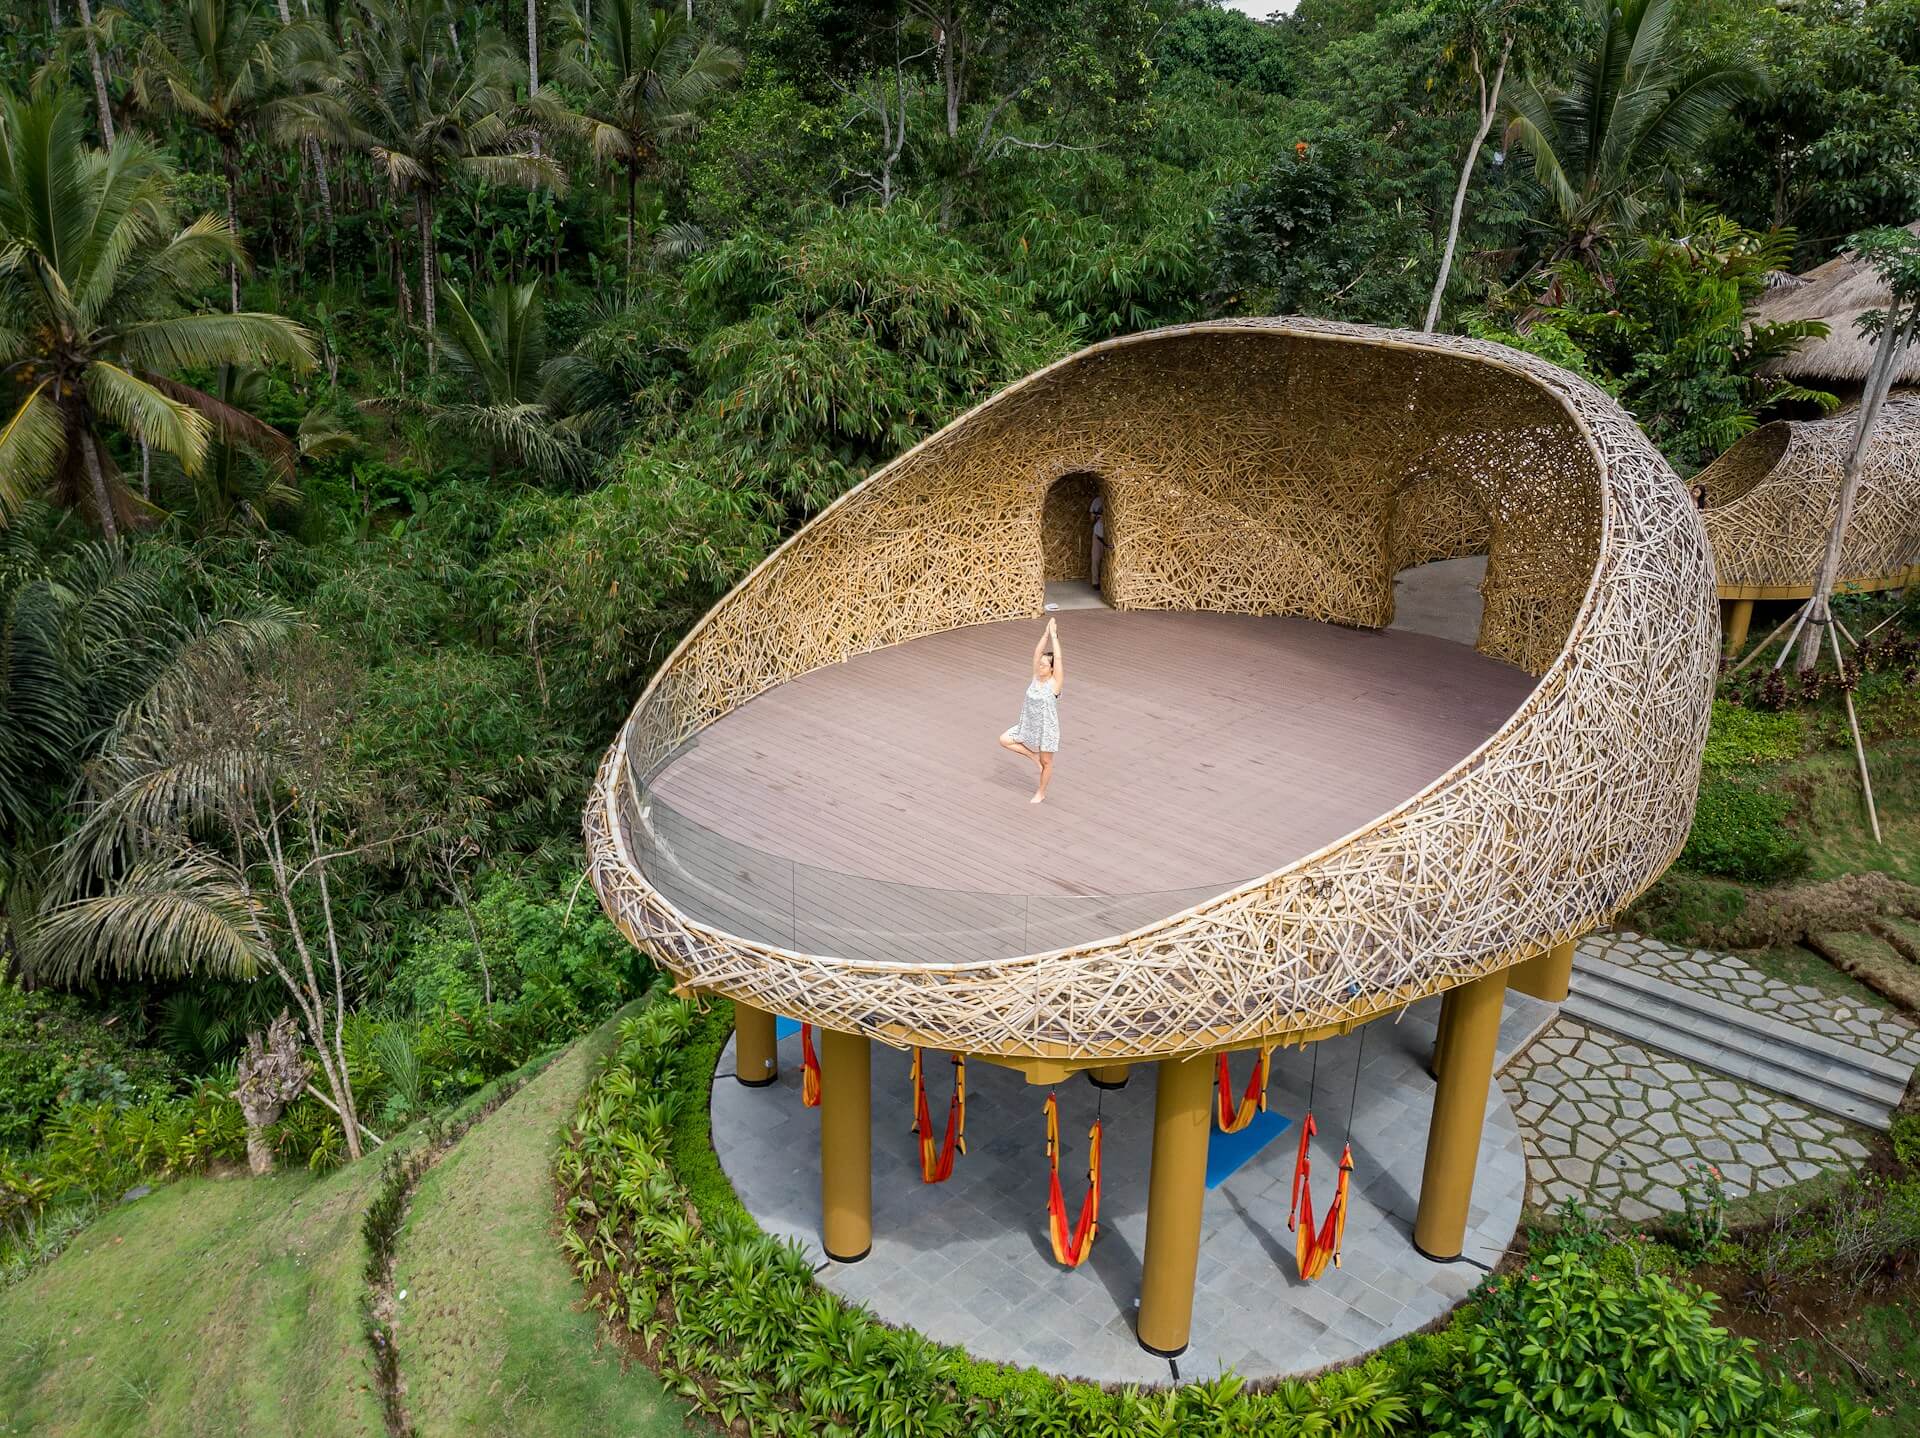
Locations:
(232, 169)
(1489, 107)
(97, 476)
(1894, 337)
(99, 74)
(633, 183)
(533, 64)
(423, 202)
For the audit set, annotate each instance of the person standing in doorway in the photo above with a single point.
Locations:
(1098, 509)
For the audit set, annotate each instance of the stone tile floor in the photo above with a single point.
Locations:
(1615, 1126)
(967, 1262)
(1734, 981)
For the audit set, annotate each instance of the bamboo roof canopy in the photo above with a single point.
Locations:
(1772, 498)
(1838, 293)
(1279, 469)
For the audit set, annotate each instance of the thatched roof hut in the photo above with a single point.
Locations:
(1838, 292)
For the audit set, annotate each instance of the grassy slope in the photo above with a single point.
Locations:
(208, 1307)
(230, 1306)
(492, 1335)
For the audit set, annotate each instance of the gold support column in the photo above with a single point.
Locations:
(1459, 1111)
(1545, 976)
(1112, 1076)
(1441, 1031)
(846, 1146)
(1176, 1191)
(756, 1061)
(1739, 619)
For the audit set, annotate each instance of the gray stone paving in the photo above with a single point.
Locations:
(1734, 981)
(1615, 1126)
(966, 1262)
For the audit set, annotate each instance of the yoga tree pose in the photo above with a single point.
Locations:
(1037, 735)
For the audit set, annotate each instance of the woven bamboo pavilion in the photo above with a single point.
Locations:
(1274, 821)
(1772, 496)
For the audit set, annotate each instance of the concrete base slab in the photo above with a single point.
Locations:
(967, 1262)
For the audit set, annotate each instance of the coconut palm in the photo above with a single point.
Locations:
(644, 87)
(425, 108)
(221, 64)
(1603, 146)
(96, 283)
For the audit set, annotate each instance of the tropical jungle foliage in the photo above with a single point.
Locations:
(386, 385)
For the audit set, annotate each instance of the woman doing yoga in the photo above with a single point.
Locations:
(1037, 735)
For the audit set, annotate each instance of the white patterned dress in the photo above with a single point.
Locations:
(1039, 726)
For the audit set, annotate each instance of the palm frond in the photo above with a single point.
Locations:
(203, 341)
(173, 914)
(232, 424)
(32, 443)
(156, 419)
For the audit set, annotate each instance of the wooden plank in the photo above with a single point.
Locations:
(1198, 750)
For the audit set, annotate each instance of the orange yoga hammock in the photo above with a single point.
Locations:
(809, 1069)
(1071, 1246)
(1312, 1249)
(1253, 1101)
(936, 1162)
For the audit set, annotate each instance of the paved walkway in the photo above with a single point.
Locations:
(966, 1262)
(1615, 1126)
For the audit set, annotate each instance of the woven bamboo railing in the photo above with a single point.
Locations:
(1266, 466)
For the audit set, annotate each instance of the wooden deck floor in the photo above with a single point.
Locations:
(1197, 751)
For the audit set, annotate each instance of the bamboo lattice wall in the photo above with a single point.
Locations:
(1772, 497)
(1269, 466)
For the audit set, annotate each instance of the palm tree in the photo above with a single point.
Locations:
(1604, 145)
(502, 351)
(222, 64)
(209, 830)
(95, 280)
(425, 109)
(646, 88)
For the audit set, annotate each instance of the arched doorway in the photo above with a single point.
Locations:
(1074, 503)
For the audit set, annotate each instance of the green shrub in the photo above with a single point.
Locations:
(1558, 1350)
(1905, 1134)
(1740, 738)
(524, 946)
(53, 1050)
(1743, 832)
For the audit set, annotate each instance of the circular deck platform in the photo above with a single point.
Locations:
(966, 1262)
(865, 809)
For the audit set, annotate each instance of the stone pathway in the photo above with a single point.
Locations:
(1734, 981)
(1614, 1126)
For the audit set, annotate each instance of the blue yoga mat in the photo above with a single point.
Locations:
(1228, 1153)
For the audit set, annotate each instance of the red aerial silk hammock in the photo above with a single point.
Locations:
(1071, 1246)
(936, 1163)
(1312, 1249)
(1253, 1101)
(809, 1069)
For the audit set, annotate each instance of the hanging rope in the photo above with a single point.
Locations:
(1071, 1246)
(1254, 1100)
(1314, 1247)
(936, 1163)
(809, 1069)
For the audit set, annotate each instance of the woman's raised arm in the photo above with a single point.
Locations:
(1059, 656)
